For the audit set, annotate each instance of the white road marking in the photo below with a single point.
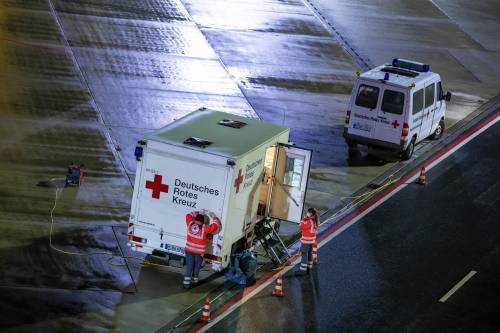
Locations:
(457, 286)
(350, 223)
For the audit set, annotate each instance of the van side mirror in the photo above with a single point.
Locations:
(447, 96)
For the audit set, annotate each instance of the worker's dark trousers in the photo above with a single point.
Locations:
(306, 250)
(193, 266)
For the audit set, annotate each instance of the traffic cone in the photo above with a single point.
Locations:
(315, 253)
(205, 314)
(278, 289)
(421, 178)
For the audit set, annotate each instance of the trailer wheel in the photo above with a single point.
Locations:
(351, 144)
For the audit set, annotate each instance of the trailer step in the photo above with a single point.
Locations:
(268, 237)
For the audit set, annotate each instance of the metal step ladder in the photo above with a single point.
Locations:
(268, 237)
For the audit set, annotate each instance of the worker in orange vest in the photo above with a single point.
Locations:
(199, 231)
(308, 228)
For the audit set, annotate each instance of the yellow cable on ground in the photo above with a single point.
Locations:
(144, 262)
(147, 263)
(378, 189)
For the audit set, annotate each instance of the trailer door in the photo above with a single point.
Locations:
(289, 183)
(172, 186)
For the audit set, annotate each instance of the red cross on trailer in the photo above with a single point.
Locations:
(157, 186)
(238, 181)
(395, 123)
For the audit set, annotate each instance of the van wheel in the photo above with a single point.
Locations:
(439, 131)
(408, 153)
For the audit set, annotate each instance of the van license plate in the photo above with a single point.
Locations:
(362, 127)
(174, 248)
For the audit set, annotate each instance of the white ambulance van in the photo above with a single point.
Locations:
(395, 106)
(242, 170)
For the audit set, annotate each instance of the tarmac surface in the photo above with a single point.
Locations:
(425, 260)
(84, 80)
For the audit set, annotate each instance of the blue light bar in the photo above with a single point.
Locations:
(411, 65)
(138, 153)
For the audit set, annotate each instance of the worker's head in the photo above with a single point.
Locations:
(200, 218)
(311, 212)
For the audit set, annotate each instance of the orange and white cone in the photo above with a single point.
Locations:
(315, 253)
(421, 178)
(278, 289)
(205, 314)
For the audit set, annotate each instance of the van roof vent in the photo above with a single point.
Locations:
(399, 71)
(197, 142)
(232, 123)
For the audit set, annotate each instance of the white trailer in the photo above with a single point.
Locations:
(241, 169)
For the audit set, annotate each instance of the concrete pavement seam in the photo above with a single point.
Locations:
(85, 82)
(458, 25)
(238, 84)
(365, 64)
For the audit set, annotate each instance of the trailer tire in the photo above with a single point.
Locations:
(351, 144)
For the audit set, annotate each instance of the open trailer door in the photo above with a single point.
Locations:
(289, 184)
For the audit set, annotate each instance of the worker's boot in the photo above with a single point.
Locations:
(194, 281)
(186, 283)
(309, 267)
(300, 272)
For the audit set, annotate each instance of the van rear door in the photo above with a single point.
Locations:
(172, 186)
(363, 118)
(390, 115)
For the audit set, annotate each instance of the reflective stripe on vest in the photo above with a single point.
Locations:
(196, 246)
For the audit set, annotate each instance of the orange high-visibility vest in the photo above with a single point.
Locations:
(308, 229)
(197, 233)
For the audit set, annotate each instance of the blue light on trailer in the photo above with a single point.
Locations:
(138, 153)
(386, 77)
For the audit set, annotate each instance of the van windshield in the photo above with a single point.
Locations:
(367, 96)
(393, 101)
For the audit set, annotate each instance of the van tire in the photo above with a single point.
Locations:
(438, 133)
(408, 153)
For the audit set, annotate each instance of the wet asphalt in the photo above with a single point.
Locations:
(83, 80)
(393, 270)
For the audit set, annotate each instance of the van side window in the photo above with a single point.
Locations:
(393, 101)
(367, 96)
(429, 95)
(439, 91)
(418, 101)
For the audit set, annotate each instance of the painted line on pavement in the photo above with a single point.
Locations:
(457, 286)
(348, 221)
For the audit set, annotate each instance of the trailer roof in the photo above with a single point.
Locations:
(225, 141)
